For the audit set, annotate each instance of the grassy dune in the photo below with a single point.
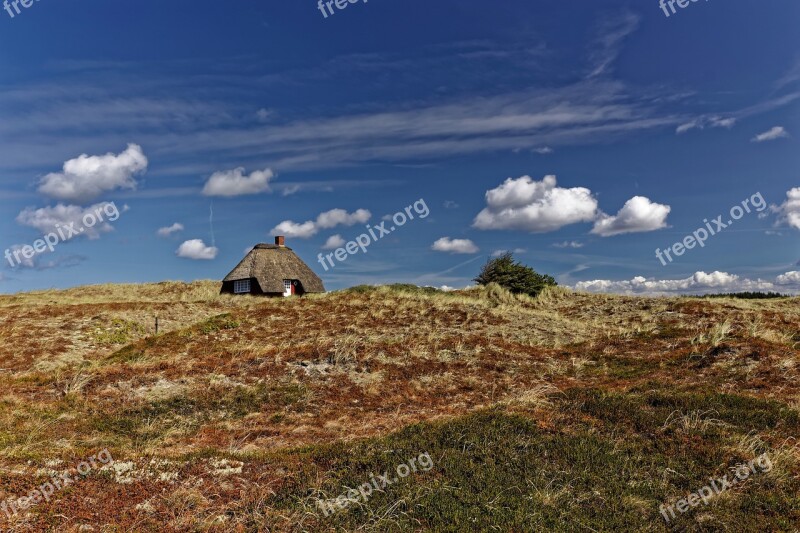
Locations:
(569, 412)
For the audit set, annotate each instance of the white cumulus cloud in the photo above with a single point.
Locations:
(789, 211)
(790, 278)
(535, 206)
(230, 183)
(196, 249)
(340, 217)
(719, 122)
(455, 246)
(290, 229)
(775, 133)
(638, 214)
(327, 220)
(333, 242)
(86, 177)
(169, 230)
(542, 206)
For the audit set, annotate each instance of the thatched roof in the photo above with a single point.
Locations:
(270, 264)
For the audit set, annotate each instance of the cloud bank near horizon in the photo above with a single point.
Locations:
(699, 283)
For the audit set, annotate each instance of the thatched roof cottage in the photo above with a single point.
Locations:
(272, 270)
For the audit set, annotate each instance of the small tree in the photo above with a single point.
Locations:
(514, 276)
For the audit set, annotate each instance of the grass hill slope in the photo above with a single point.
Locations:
(568, 412)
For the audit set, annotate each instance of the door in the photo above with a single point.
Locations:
(288, 288)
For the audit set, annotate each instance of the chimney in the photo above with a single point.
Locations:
(280, 240)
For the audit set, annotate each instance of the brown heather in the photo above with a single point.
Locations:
(568, 412)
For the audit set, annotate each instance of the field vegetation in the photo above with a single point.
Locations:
(562, 412)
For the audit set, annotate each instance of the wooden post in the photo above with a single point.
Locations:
(156, 325)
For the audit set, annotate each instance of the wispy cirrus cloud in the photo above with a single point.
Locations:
(568, 244)
(106, 106)
(729, 119)
(202, 130)
(498, 253)
(50, 219)
(611, 33)
(701, 123)
(582, 112)
(43, 261)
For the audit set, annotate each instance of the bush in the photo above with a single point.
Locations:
(747, 295)
(514, 276)
(219, 322)
(395, 287)
(120, 331)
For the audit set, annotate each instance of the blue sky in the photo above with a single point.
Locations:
(619, 130)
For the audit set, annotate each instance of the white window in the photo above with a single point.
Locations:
(241, 286)
(287, 287)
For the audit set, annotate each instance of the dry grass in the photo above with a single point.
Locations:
(236, 378)
(695, 421)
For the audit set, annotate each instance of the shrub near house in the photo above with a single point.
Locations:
(514, 276)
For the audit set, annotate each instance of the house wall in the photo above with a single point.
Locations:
(255, 289)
